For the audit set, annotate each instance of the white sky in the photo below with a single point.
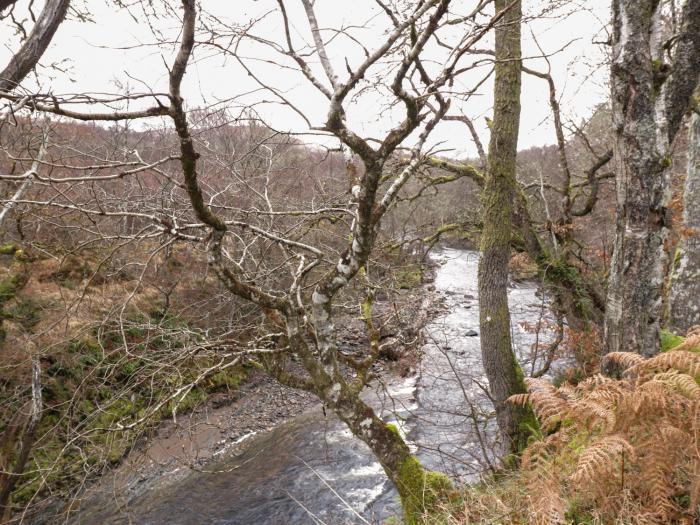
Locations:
(90, 51)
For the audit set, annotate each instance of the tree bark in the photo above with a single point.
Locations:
(685, 288)
(648, 98)
(420, 490)
(502, 369)
(4, 4)
(28, 56)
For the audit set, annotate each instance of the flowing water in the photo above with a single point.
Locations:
(311, 470)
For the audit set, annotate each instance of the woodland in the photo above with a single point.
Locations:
(253, 200)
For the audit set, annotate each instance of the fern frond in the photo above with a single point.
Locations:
(656, 481)
(675, 438)
(649, 397)
(683, 383)
(549, 509)
(626, 359)
(601, 459)
(596, 381)
(693, 330)
(591, 412)
(545, 401)
(681, 360)
(519, 399)
(628, 448)
(691, 340)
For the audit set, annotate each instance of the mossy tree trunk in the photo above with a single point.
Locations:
(502, 369)
(420, 490)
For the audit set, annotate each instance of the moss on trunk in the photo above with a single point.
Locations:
(502, 369)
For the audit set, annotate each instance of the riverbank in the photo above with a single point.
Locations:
(224, 425)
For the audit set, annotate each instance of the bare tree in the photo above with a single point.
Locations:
(293, 276)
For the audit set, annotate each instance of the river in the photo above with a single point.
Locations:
(311, 470)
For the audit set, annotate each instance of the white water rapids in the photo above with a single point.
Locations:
(311, 470)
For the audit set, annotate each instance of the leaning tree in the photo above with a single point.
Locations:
(297, 281)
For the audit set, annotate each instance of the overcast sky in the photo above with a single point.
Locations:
(114, 49)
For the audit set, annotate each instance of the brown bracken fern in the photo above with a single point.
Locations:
(619, 451)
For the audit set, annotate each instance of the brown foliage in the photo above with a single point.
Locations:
(623, 451)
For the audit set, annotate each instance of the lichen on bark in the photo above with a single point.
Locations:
(684, 299)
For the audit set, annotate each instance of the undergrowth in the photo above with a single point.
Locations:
(611, 451)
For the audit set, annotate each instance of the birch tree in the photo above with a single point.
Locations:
(685, 287)
(652, 82)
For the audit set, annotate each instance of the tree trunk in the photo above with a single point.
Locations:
(34, 46)
(420, 490)
(649, 98)
(634, 306)
(685, 288)
(502, 369)
(8, 480)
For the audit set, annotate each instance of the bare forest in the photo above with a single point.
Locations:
(380, 262)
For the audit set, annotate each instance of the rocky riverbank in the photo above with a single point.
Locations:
(223, 426)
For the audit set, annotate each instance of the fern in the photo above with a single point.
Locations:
(627, 450)
(602, 459)
(675, 359)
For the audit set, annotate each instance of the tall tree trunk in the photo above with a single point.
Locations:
(502, 369)
(633, 307)
(10, 476)
(649, 98)
(685, 289)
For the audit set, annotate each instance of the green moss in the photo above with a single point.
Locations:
(421, 491)
(409, 277)
(528, 426)
(8, 249)
(25, 312)
(394, 430)
(670, 340)
(432, 239)
(193, 399)
(560, 273)
(9, 287)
